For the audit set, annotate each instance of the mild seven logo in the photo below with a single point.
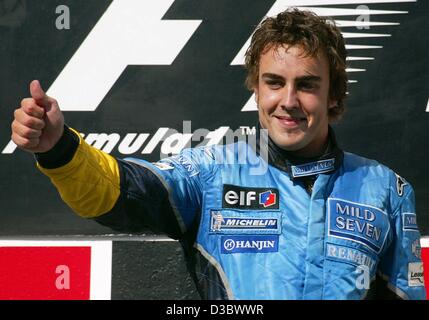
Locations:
(359, 223)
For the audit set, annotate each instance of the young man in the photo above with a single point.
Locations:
(320, 223)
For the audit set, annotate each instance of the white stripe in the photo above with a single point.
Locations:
(424, 242)
(239, 58)
(45, 243)
(332, 12)
(10, 148)
(352, 81)
(358, 47)
(347, 23)
(219, 269)
(354, 70)
(101, 270)
(250, 105)
(427, 107)
(359, 58)
(352, 35)
(330, 2)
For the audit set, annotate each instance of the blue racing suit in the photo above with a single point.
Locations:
(253, 227)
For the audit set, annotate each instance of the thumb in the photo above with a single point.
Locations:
(38, 94)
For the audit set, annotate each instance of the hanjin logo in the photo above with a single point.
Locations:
(249, 244)
(250, 198)
(229, 244)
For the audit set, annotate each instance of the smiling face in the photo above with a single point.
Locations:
(292, 94)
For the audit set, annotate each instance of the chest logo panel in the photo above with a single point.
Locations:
(250, 198)
(236, 222)
(249, 244)
(360, 223)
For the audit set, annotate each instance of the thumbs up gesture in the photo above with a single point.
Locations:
(38, 123)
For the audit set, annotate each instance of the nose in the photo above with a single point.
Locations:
(289, 99)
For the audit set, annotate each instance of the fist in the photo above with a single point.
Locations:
(38, 123)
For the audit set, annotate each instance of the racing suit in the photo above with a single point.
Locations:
(257, 227)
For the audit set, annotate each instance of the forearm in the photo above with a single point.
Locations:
(86, 178)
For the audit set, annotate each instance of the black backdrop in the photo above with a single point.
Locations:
(386, 117)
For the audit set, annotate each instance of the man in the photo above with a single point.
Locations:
(320, 223)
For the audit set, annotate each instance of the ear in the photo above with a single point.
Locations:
(256, 92)
(332, 104)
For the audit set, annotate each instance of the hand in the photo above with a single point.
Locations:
(39, 122)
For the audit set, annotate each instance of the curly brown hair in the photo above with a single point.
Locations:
(314, 34)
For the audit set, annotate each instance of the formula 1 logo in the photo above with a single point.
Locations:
(111, 46)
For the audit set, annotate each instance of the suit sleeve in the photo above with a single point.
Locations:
(128, 195)
(401, 268)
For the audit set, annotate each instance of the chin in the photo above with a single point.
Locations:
(288, 144)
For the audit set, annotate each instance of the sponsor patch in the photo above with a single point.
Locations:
(416, 249)
(312, 168)
(249, 244)
(349, 255)
(400, 185)
(415, 274)
(250, 198)
(235, 222)
(163, 166)
(357, 222)
(267, 199)
(409, 222)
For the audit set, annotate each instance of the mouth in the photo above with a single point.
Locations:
(290, 121)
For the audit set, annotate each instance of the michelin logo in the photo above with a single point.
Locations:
(249, 244)
(219, 222)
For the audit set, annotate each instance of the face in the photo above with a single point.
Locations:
(292, 94)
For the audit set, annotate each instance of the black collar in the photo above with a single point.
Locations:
(298, 167)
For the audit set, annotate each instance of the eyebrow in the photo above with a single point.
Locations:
(303, 78)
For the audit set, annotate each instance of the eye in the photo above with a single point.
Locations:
(274, 84)
(308, 86)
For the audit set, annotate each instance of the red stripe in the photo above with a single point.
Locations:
(35, 273)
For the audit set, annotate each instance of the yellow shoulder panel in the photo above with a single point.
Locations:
(89, 183)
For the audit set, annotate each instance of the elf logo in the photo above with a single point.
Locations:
(267, 199)
(250, 198)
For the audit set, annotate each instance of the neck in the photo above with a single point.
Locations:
(285, 160)
(314, 149)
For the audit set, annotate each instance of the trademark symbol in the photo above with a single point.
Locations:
(246, 130)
